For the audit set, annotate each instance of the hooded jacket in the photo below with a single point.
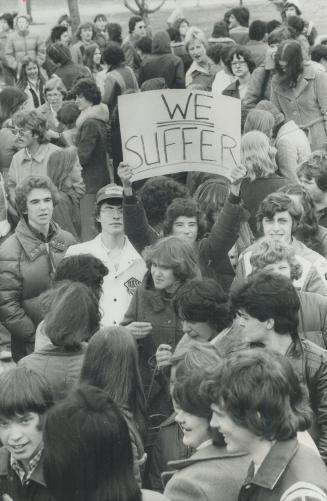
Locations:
(91, 141)
(19, 45)
(162, 63)
(27, 262)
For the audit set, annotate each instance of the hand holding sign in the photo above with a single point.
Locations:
(169, 131)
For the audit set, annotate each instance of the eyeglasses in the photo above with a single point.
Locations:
(238, 63)
(18, 132)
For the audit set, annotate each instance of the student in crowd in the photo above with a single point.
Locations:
(151, 317)
(267, 305)
(202, 70)
(136, 30)
(25, 397)
(113, 248)
(299, 91)
(212, 471)
(278, 218)
(162, 63)
(21, 43)
(101, 36)
(260, 120)
(265, 427)
(177, 35)
(54, 93)
(111, 364)
(28, 258)
(66, 69)
(92, 146)
(31, 81)
(257, 44)
(312, 174)
(238, 25)
(60, 363)
(241, 65)
(291, 142)
(319, 55)
(34, 149)
(84, 36)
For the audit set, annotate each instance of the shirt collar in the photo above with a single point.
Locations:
(39, 156)
(274, 464)
(26, 474)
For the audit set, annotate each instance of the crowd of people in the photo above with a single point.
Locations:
(164, 339)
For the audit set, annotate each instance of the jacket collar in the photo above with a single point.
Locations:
(37, 475)
(207, 453)
(39, 156)
(309, 73)
(34, 246)
(275, 463)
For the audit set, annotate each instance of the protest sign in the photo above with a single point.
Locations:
(167, 131)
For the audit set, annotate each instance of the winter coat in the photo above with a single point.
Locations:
(179, 49)
(132, 59)
(27, 262)
(240, 35)
(77, 51)
(59, 366)
(211, 474)
(168, 446)
(290, 472)
(314, 268)
(259, 87)
(254, 192)
(232, 90)
(293, 148)
(69, 72)
(118, 80)
(10, 484)
(151, 305)
(92, 146)
(19, 45)
(198, 76)
(306, 103)
(257, 50)
(162, 63)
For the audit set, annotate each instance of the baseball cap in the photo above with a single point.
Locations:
(109, 191)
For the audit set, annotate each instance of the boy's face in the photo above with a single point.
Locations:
(21, 436)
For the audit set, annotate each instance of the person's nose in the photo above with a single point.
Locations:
(15, 433)
(179, 418)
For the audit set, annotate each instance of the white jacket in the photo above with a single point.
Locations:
(119, 285)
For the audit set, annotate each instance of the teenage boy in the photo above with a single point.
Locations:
(137, 30)
(112, 247)
(259, 406)
(267, 306)
(313, 176)
(24, 399)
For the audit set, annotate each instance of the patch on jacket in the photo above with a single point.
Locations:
(302, 491)
(131, 285)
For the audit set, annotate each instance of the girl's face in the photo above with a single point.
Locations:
(54, 98)
(86, 34)
(22, 24)
(4, 25)
(76, 172)
(290, 11)
(183, 27)
(32, 71)
(97, 56)
(197, 52)
(163, 276)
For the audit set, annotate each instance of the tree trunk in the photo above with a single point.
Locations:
(74, 13)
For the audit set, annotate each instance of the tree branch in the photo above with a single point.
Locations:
(151, 11)
(132, 9)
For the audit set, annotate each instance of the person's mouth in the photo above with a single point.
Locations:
(18, 447)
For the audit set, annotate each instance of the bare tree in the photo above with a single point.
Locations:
(74, 13)
(141, 8)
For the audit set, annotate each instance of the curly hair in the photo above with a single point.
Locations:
(113, 54)
(30, 183)
(157, 194)
(87, 88)
(176, 36)
(184, 207)
(239, 52)
(175, 253)
(84, 26)
(203, 301)
(279, 202)
(315, 167)
(33, 121)
(257, 155)
(268, 251)
(260, 391)
(307, 230)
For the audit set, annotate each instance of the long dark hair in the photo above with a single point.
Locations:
(111, 363)
(290, 52)
(87, 450)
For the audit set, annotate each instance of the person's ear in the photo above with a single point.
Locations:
(270, 324)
